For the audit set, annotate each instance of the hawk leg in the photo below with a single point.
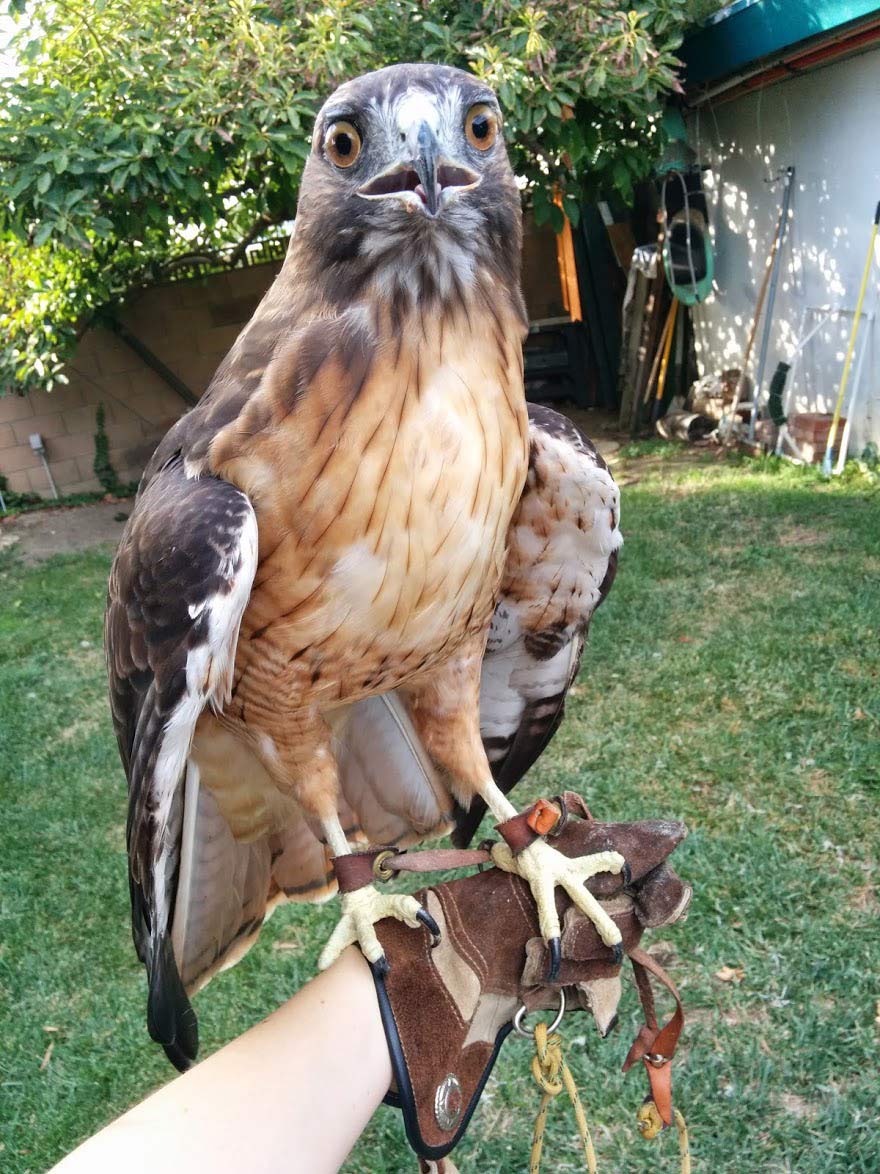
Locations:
(445, 711)
(544, 868)
(363, 907)
(296, 749)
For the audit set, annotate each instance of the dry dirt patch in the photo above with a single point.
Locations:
(40, 535)
(802, 536)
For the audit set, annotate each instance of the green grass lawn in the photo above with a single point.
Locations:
(732, 681)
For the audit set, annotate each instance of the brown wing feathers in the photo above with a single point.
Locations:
(176, 593)
(562, 561)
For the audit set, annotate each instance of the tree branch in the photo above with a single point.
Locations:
(262, 222)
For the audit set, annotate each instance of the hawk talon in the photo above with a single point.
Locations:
(431, 925)
(361, 909)
(555, 948)
(626, 873)
(543, 867)
(380, 967)
(618, 953)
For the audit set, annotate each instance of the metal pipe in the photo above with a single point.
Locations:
(36, 441)
(152, 360)
(853, 399)
(54, 487)
(771, 298)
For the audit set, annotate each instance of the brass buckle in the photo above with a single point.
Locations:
(380, 872)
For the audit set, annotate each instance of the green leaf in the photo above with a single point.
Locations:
(149, 111)
(15, 189)
(43, 232)
(572, 209)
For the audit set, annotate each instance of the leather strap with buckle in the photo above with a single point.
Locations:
(356, 870)
(655, 1045)
(545, 817)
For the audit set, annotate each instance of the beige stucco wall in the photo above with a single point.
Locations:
(824, 123)
(189, 325)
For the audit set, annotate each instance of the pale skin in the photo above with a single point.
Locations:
(285, 1095)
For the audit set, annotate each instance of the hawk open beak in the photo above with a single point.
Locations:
(422, 181)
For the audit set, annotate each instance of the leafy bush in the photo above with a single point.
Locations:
(135, 134)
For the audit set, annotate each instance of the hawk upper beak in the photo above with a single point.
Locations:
(424, 179)
(426, 167)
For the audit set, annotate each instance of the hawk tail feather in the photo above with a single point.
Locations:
(170, 1018)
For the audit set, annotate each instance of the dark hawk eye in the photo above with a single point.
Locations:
(342, 143)
(481, 126)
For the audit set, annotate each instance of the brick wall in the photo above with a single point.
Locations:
(189, 325)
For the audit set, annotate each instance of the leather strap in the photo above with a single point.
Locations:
(655, 1045)
(437, 859)
(359, 869)
(517, 832)
(572, 804)
(543, 818)
(355, 870)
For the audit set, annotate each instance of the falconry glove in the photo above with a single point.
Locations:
(449, 1000)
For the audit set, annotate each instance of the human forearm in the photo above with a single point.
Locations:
(293, 1093)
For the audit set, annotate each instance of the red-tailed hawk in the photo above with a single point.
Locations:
(300, 605)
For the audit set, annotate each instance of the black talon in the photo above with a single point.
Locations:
(380, 967)
(626, 873)
(555, 948)
(611, 1026)
(431, 925)
(618, 953)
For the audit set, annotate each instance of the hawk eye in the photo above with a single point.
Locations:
(481, 126)
(342, 143)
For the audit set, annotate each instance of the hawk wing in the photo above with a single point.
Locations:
(178, 588)
(562, 560)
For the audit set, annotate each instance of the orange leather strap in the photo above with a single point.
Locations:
(655, 1045)
(543, 818)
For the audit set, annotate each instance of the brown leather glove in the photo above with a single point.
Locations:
(448, 1003)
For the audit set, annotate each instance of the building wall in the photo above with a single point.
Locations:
(824, 124)
(189, 325)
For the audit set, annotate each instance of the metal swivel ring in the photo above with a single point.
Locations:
(529, 1032)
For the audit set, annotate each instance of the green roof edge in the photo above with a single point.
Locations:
(752, 30)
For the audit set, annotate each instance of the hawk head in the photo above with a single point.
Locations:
(408, 187)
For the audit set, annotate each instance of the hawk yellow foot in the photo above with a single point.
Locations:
(543, 868)
(361, 910)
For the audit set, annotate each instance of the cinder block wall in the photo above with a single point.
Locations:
(189, 325)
